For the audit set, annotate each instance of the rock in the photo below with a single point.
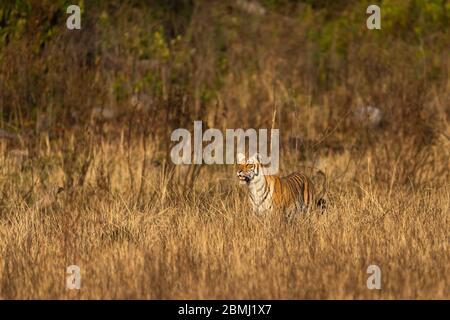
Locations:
(7, 135)
(369, 116)
(251, 7)
(18, 153)
(104, 113)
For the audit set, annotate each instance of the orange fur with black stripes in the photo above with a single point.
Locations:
(290, 194)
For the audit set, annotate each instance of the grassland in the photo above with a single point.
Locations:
(207, 244)
(86, 178)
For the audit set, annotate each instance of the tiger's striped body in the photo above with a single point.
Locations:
(291, 194)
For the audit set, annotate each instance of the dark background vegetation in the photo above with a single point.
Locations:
(148, 67)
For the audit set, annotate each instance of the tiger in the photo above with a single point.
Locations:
(291, 194)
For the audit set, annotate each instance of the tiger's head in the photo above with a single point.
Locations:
(249, 169)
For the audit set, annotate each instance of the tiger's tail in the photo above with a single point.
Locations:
(320, 201)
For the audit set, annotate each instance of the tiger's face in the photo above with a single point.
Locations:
(248, 171)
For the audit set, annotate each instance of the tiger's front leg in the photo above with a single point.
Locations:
(260, 210)
(290, 213)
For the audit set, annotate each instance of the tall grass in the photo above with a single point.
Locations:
(208, 244)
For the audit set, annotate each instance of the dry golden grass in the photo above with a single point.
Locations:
(206, 243)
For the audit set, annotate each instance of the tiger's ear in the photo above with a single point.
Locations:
(256, 158)
(240, 158)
